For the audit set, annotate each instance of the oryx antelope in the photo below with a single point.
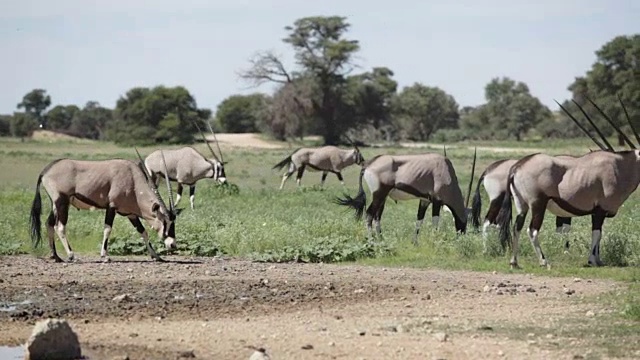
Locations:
(494, 179)
(595, 184)
(116, 186)
(327, 159)
(428, 177)
(186, 166)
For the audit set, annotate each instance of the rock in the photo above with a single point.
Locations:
(358, 291)
(307, 347)
(442, 337)
(186, 355)
(590, 314)
(530, 289)
(362, 333)
(52, 339)
(259, 354)
(486, 288)
(331, 343)
(568, 291)
(500, 353)
(122, 298)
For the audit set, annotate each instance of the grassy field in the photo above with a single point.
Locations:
(265, 224)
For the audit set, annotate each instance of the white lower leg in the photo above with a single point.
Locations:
(485, 229)
(178, 198)
(515, 247)
(298, 182)
(378, 228)
(191, 198)
(594, 257)
(105, 238)
(61, 230)
(533, 236)
(284, 178)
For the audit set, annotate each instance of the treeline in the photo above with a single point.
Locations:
(322, 96)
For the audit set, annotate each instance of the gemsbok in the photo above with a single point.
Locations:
(595, 184)
(494, 179)
(327, 159)
(116, 186)
(186, 166)
(428, 177)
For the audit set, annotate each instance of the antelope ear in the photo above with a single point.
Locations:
(155, 207)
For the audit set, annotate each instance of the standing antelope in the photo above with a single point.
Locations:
(186, 166)
(595, 184)
(117, 186)
(326, 159)
(494, 178)
(428, 177)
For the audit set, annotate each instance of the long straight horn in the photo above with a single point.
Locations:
(352, 142)
(444, 148)
(604, 138)
(581, 127)
(624, 137)
(142, 166)
(204, 138)
(216, 140)
(166, 178)
(633, 128)
(473, 170)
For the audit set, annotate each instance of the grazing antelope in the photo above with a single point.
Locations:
(494, 178)
(595, 184)
(428, 177)
(186, 166)
(116, 186)
(326, 159)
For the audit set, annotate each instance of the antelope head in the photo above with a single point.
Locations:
(217, 163)
(359, 159)
(163, 217)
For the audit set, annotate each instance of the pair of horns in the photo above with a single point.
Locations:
(221, 159)
(351, 142)
(604, 145)
(153, 186)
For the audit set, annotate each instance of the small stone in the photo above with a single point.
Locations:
(577, 280)
(590, 314)
(568, 291)
(331, 343)
(549, 336)
(121, 298)
(442, 337)
(531, 335)
(530, 289)
(133, 335)
(428, 297)
(500, 353)
(359, 291)
(307, 347)
(189, 354)
(362, 333)
(486, 288)
(259, 354)
(207, 272)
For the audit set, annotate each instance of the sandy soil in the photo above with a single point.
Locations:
(245, 141)
(216, 308)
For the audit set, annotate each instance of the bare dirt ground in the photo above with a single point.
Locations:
(214, 308)
(246, 141)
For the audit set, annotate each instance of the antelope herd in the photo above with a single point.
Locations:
(596, 183)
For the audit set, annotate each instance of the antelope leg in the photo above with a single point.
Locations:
(435, 213)
(340, 178)
(145, 237)
(517, 228)
(179, 193)
(299, 175)
(192, 195)
(324, 177)
(51, 222)
(537, 217)
(597, 219)
(422, 210)
(108, 225)
(62, 215)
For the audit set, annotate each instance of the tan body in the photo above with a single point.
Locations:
(429, 177)
(327, 159)
(117, 186)
(185, 166)
(494, 179)
(595, 184)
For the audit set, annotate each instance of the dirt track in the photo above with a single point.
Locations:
(217, 308)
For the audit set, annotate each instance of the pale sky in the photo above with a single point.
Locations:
(82, 50)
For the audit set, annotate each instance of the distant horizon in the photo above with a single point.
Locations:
(80, 51)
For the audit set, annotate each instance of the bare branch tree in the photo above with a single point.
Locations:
(266, 67)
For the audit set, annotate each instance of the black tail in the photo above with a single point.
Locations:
(36, 211)
(359, 202)
(505, 215)
(286, 161)
(476, 205)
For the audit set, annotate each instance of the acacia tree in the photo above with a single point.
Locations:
(615, 75)
(35, 103)
(324, 56)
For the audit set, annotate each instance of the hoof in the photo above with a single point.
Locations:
(106, 259)
(56, 258)
(514, 266)
(566, 252)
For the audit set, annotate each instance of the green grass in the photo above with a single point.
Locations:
(265, 224)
